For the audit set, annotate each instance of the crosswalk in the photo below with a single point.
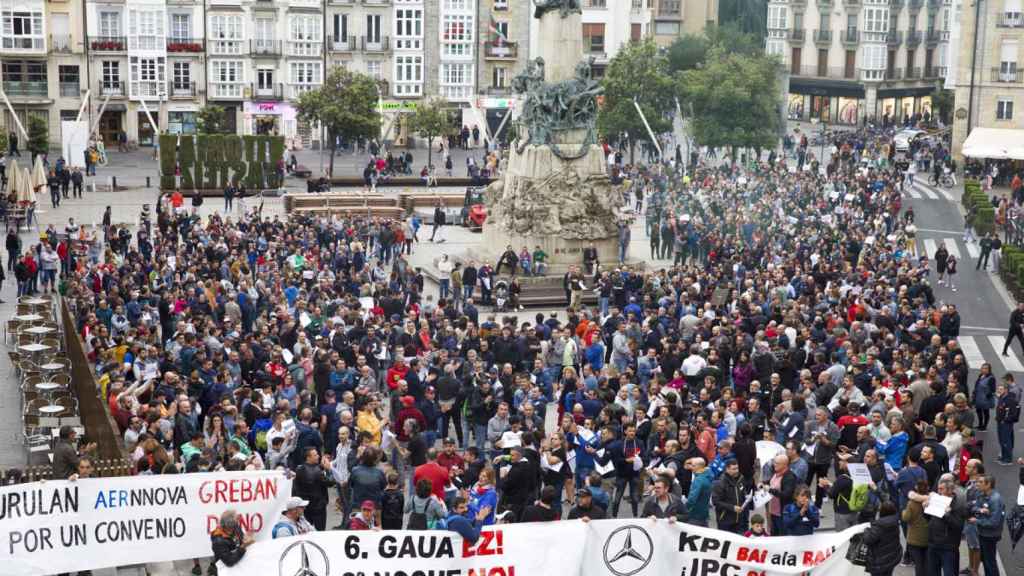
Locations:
(954, 245)
(981, 349)
(920, 191)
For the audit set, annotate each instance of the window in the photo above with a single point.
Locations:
(798, 21)
(146, 29)
(593, 38)
(501, 4)
(181, 27)
(375, 69)
(340, 27)
(456, 81)
(226, 34)
(408, 75)
(1008, 61)
(147, 77)
(373, 28)
(876, 20)
(774, 47)
(1004, 109)
(182, 75)
(457, 5)
(304, 39)
(666, 28)
(69, 79)
(499, 77)
(930, 22)
(636, 32)
(227, 78)
(874, 60)
(110, 24)
(778, 17)
(408, 28)
(264, 79)
(304, 76)
(457, 36)
(111, 71)
(824, 23)
(23, 30)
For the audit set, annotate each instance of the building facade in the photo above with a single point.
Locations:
(998, 82)
(856, 61)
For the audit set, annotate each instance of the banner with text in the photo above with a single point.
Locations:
(62, 526)
(639, 547)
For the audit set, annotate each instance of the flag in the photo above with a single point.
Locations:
(497, 37)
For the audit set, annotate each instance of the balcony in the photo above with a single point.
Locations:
(112, 88)
(273, 92)
(894, 73)
(851, 2)
(380, 44)
(915, 5)
(932, 72)
(669, 9)
(1010, 20)
(376, 2)
(226, 46)
(500, 51)
(894, 38)
(850, 36)
(60, 43)
(26, 88)
(343, 44)
(343, 2)
(797, 35)
(227, 91)
(184, 45)
(598, 4)
(914, 73)
(936, 36)
(148, 90)
(69, 89)
(108, 43)
(501, 91)
(181, 89)
(934, 4)
(295, 91)
(896, 6)
(835, 72)
(825, 4)
(913, 38)
(823, 36)
(262, 47)
(1012, 76)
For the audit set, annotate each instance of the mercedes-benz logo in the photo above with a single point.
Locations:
(628, 550)
(297, 560)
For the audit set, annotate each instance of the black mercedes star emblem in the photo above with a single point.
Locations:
(628, 550)
(318, 565)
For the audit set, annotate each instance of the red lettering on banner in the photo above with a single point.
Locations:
(751, 555)
(237, 491)
(495, 571)
(489, 544)
(249, 522)
(815, 558)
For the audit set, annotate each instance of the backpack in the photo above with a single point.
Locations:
(391, 504)
(417, 519)
(859, 497)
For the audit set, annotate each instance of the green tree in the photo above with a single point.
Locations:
(346, 106)
(687, 52)
(690, 50)
(211, 119)
(639, 72)
(732, 38)
(735, 99)
(38, 135)
(749, 16)
(942, 103)
(431, 121)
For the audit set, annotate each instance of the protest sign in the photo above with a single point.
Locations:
(62, 526)
(636, 547)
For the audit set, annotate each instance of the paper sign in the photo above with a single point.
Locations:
(304, 319)
(811, 448)
(1020, 495)
(510, 439)
(766, 450)
(638, 464)
(938, 505)
(287, 355)
(604, 469)
(761, 498)
(859, 473)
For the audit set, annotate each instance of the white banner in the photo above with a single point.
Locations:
(639, 547)
(62, 526)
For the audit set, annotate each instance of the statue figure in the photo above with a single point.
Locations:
(565, 7)
(553, 107)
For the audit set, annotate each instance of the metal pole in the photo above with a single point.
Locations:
(649, 131)
(85, 102)
(974, 62)
(15, 115)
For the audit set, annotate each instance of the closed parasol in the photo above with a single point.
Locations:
(38, 174)
(25, 192)
(12, 176)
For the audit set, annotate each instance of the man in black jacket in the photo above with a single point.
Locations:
(1016, 328)
(728, 495)
(519, 483)
(228, 541)
(585, 508)
(312, 478)
(439, 222)
(944, 532)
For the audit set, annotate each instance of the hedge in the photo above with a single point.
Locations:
(168, 153)
(213, 160)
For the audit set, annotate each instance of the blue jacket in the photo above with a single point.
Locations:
(985, 392)
(478, 500)
(584, 459)
(796, 524)
(990, 525)
(895, 450)
(468, 529)
(698, 501)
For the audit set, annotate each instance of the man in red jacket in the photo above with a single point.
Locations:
(438, 475)
(396, 374)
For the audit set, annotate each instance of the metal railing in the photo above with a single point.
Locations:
(896, 5)
(181, 89)
(342, 44)
(69, 89)
(1012, 76)
(850, 36)
(502, 50)
(112, 88)
(273, 92)
(108, 43)
(913, 73)
(26, 88)
(187, 45)
(797, 35)
(815, 71)
(60, 43)
(265, 47)
(823, 36)
(894, 37)
(1010, 20)
(913, 37)
(893, 73)
(379, 44)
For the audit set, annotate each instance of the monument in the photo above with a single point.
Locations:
(555, 192)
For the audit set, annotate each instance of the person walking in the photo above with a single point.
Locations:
(1007, 414)
(988, 513)
(951, 271)
(439, 222)
(1016, 329)
(76, 182)
(229, 196)
(12, 144)
(941, 258)
(54, 184)
(986, 249)
(883, 541)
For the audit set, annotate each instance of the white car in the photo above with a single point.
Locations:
(903, 138)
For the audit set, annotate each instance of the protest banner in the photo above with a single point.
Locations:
(62, 526)
(635, 547)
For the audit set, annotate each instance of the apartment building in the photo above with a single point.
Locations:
(997, 78)
(852, 61)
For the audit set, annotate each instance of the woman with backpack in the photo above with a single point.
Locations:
(882, 539)
(423, 508)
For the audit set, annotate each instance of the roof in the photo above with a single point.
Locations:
(995, 143)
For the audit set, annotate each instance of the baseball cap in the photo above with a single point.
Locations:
(584, 492)
(368, 505)
(408, 401)
(295, 502)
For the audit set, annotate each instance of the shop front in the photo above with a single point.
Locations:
(395, 121)
(828, 101)
(898, 105)
(270, 118)
(112, 123)
(495, 110)
(182, 119)
(147, 131)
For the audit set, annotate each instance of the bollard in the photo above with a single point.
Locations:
(113, 183)
(147, 181)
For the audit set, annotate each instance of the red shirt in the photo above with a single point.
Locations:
(437, 474)
(453, 461)
(395, 374)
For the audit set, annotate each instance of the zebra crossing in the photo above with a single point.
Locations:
(979, 349)
(954, 245)
(919, 190)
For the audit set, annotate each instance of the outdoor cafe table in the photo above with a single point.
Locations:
(28, 318)
(53, 366)
(39, 330)
(34, 347)
(51, 409)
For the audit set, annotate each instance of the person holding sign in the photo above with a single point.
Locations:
(781, 486)
(229, 541)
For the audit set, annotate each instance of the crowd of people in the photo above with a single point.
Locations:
(807, 319)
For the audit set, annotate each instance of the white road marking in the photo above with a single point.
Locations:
(1011, 362)
(972, 354)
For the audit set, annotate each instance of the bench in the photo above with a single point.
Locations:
(389, 212)
(409, 181)
(296, 201)
(412, 201)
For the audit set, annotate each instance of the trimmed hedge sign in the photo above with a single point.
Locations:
(211, 161)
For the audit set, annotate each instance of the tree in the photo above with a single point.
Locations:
(639, 72)
(735, 99)
(690, 50)
(38, 135)
(431, 120)
(687, 52)
(732, 38)
(748, 16)
(942, 104)
(211, 119)
(345, 106)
